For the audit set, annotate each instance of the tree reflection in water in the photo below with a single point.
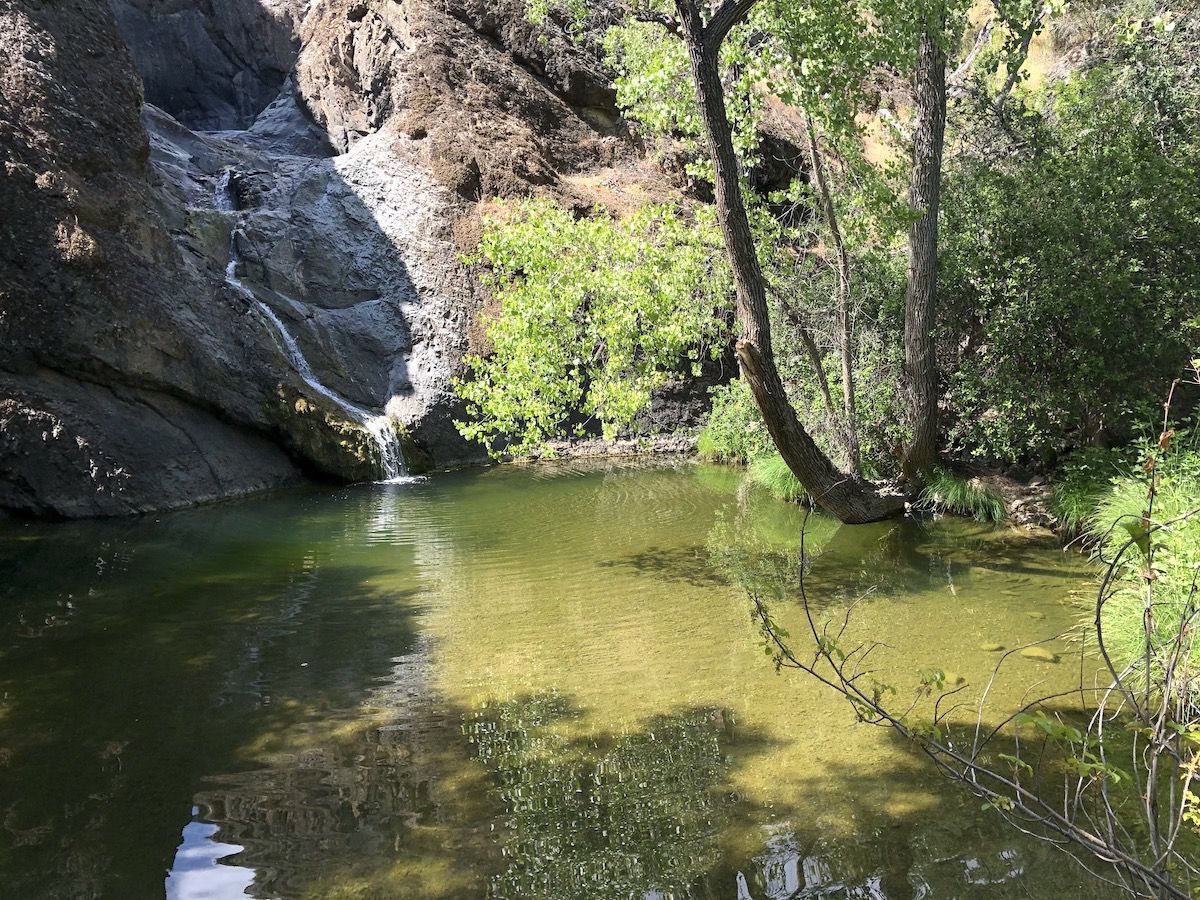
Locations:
(632, 816)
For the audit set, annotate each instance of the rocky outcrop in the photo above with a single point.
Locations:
(115, 351)
(232, 231)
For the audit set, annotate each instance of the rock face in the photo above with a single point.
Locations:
(232, 231)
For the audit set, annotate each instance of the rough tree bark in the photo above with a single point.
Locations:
(850, 499)
(920, 363)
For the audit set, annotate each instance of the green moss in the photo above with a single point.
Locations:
(950, 493)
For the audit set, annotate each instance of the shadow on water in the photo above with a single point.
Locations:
(689, 565)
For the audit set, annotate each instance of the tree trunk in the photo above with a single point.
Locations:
(846, 338)
(920, 363)
(849, 499)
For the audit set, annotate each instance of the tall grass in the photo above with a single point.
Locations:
(771, 472)
(950, 493)
(1114, 521)
(1082, 482)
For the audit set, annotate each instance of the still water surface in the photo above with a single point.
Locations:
(523, 682)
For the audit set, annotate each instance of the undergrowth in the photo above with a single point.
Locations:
(1081, 484)
(1116, 519)
(735, 431)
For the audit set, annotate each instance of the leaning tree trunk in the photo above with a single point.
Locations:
(850, 499)
(920, 363)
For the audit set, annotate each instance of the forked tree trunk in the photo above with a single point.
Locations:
(920, 363)
(850, 499)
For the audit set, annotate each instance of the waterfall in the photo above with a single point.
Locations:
(381, 428)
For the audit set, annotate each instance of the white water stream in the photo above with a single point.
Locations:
(381, 428)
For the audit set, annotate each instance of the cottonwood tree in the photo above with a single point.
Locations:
(702, 73)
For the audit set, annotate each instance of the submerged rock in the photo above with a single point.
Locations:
(1040, 654)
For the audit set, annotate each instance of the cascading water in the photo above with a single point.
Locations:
(381, 428)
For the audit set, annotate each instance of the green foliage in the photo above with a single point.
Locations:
(1119, 519)
(1081, 482)
(595, 314)
(951, 493)
(1071, 271)
(772, 473)
(654, 87)
(735, 431)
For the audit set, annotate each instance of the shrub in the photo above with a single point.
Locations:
(735, 431)
(1071, 269)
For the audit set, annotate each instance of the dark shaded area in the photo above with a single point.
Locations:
(689, 565)
(213, 65)
(162, 664)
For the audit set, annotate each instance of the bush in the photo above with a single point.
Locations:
(735, 431)
(1071, 271)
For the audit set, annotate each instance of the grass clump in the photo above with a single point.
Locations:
(1081, 484)
(950, 493)
(771, 472)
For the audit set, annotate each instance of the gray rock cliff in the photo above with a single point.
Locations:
(232, 231)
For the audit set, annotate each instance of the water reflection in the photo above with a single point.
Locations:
(593, 817)
(197, 873)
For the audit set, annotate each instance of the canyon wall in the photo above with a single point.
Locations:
(232, 231)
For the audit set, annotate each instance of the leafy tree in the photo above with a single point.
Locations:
(598, 313)
(821, 55)
(1072, 265)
